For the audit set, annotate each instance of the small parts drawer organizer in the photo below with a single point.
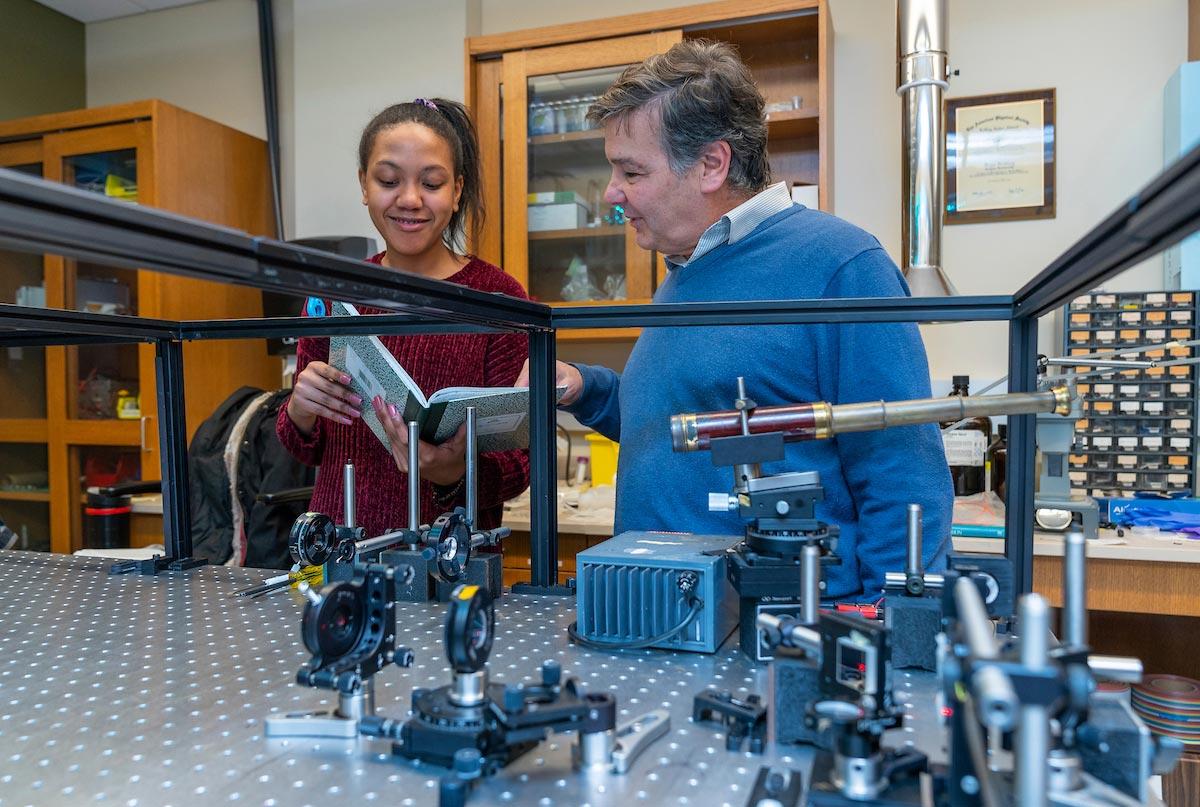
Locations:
(1139, 426)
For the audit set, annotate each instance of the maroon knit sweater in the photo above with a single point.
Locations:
(434, 362)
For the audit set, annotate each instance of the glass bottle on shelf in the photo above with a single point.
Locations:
(541, 119)
(587, 102)
(966, 446)
(560, 116)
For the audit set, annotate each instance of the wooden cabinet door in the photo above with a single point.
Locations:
(23, 282)
(24, 455)
(103, 395)
(560, 239)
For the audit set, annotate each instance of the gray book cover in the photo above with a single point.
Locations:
(501, 413)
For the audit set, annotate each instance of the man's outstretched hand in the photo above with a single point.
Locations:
(565, 375)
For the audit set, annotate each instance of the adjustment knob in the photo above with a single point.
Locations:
(551, 673)
(468, 762)
(514, 698)
(721, 503)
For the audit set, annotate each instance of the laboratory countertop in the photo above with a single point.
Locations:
(1162, 548)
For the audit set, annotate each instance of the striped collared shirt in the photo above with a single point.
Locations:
(739, 222)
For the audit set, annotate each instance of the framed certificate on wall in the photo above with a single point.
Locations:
(1000, 157)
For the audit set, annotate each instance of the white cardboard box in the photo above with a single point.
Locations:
(557, 217)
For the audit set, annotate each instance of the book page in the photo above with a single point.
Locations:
(456, 393)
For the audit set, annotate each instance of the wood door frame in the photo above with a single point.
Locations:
(484, 102)
(680, 17)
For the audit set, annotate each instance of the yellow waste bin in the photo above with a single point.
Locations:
(604, 459)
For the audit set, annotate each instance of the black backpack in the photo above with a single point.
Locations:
(262, 466)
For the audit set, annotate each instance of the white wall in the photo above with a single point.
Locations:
(352, 59)
(201, 57)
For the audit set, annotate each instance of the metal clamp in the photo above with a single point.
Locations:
(744, 719)
(635, 736)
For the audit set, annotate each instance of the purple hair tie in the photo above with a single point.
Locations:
(426, 102)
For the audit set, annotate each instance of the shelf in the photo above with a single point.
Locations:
(607, 231)
(793, 123)
(108, 432)
(24, 496)
(566, 137)
(24, 430)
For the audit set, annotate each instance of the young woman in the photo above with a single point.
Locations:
(418, 165)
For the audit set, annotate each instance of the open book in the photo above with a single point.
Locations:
(501, 413)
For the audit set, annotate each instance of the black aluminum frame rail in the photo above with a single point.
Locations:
(788, 312)
(41, 216)
(273, 327)
(1162, 213)
(60, 326)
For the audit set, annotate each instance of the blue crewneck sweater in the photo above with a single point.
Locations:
(869, 477)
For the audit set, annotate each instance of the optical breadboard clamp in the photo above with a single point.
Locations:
(350, 630)
(629, 591)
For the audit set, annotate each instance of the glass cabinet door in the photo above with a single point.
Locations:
(25, 493)
(577, 242)
(104, 381)
(561, 238)
(97, 466)
(23, 282)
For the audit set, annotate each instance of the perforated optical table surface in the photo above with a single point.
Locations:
(135, 691)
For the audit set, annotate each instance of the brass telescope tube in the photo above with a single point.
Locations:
(820, 421)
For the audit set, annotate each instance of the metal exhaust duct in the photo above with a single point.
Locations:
(921, 72)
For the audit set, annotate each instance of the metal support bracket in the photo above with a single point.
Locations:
(744, 719)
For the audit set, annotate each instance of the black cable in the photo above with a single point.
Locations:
(573, 633)
(266, 52)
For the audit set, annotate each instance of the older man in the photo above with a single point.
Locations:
(687, 139)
